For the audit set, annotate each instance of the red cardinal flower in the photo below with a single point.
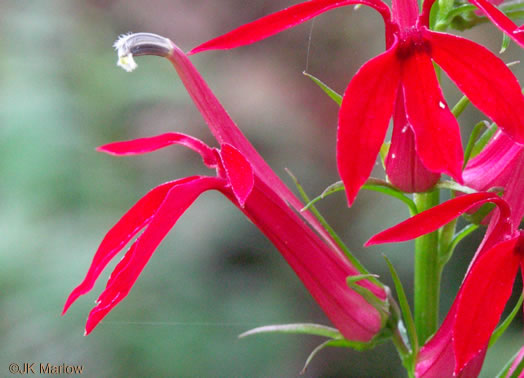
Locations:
(246, 180)
(500, 164)
(459, 346)
(405, 73)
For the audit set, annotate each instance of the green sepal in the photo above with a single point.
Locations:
(473, 138)
(518, 370)
(505, 324)
(460, 106)
(404, 308)
(335, 338)
(330, 92)
(296, 328)
(385, 187)
(504, 372)
(480, 214)
(434, 14)
(333, 188)
(356, 263)
(447, 251)
(444, 7)
(452, 185)
(382, 306)
(373, 184)
(343, 343)
(483, 140)
(383, 153)
(505, 43)
(312, 355)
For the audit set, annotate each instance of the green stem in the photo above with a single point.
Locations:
(427, 273)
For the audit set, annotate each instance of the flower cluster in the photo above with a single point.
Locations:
(244, 178)
(402, 85)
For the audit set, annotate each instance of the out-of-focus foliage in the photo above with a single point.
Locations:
(61, 95)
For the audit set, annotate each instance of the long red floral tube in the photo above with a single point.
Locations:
(241, 177)
(407, 65)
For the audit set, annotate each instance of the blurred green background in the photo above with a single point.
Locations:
(215, 275)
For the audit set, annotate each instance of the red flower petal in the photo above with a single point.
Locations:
(239, 172)
(434, 218)
(483, 78)
(485, 291)
(121, 233)
(145, 145)
(437, 134)
(176, 202)
(502, 21)
(364, 117)
(274, 23)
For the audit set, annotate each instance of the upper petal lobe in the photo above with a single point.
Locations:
(364, 117)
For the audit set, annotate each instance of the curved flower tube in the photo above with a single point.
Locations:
(246, 180)
(459, 346)
(406, 66)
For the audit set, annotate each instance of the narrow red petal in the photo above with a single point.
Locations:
(239, 172)
(485, 291)
(432, 219)
(146, 145)
(275, 23)
(176, 202)
(437, 134)
(502, 21)
(483, 78)
(364, 117)
(121, 233)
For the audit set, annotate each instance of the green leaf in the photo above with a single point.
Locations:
(296, 328)
(505, 324)
(330, 92)
(404, 307)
